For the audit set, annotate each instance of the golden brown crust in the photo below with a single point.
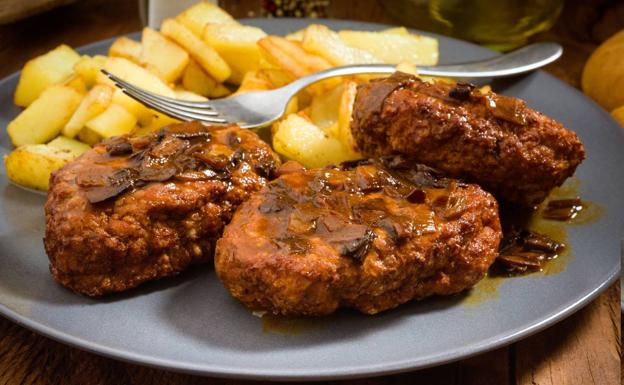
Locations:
(365, 237)
(514, 152)
(157, 228)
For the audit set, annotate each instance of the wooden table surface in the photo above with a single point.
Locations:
(583, 349)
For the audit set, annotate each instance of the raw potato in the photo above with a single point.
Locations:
(71, 146)
(320, 40)
(96, 101)
(237, 45)
(299, 139)
(164, 55)
(394, 47)
(115, 121)
(44, 118)
(31, 165)
(603, 75)
(43, 71)
(205, 55)
(202, 13)
(290, 57)
(88, 68)
(126, 48)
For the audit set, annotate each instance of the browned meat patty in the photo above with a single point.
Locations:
(369, 235)
(514, 152)
(135, 209)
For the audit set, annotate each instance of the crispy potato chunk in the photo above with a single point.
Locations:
(31, 165)
(137, 75)
(394, 47)
(184, 94)
(96, 101)
(196, 80)
(115, 120)
(88, 68)
(126, 48)
(44, 118)
(345, 111)
(320, 40)
(237, 46)
(205, 55)
(43, 71)
(324, 110)
(77, 83)
(299, 139)
(289, 56)
(89, 137)
(202, 13)
(72, 146)
(164, 55)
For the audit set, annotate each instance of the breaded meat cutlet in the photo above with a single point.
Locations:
(516, 153)
(369, 235)
(134, 209)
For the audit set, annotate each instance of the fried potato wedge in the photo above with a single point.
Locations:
(72, 146)
(324, 110)
(96, 101)
(196, 80)
(205, 55)
(237, 46)
(43, 71)
(115, 120)
(44, 118)
(168, 58)
(345, 112)
(394, 47)
(89, 137)
(31, 165)
(77, 83)
(184, 94)
(126, 48)
(321, 41)
(202, 13)
(291, 57)
(299, 139)
(88, 68)
(137, 75)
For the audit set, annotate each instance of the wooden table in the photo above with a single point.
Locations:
(583, 349)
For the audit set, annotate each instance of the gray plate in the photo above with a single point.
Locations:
(191, 324)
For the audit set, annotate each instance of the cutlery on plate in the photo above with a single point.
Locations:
(261, 108)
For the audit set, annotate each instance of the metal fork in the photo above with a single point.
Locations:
(261, 108)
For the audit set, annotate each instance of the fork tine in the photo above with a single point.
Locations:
(170, 110)
(161, 99)
(156, 102)
(187, 103)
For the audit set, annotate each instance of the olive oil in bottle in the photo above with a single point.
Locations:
(498, 24)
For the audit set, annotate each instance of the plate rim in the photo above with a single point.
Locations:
(207, 369)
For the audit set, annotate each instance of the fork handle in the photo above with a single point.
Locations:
(520, 61)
